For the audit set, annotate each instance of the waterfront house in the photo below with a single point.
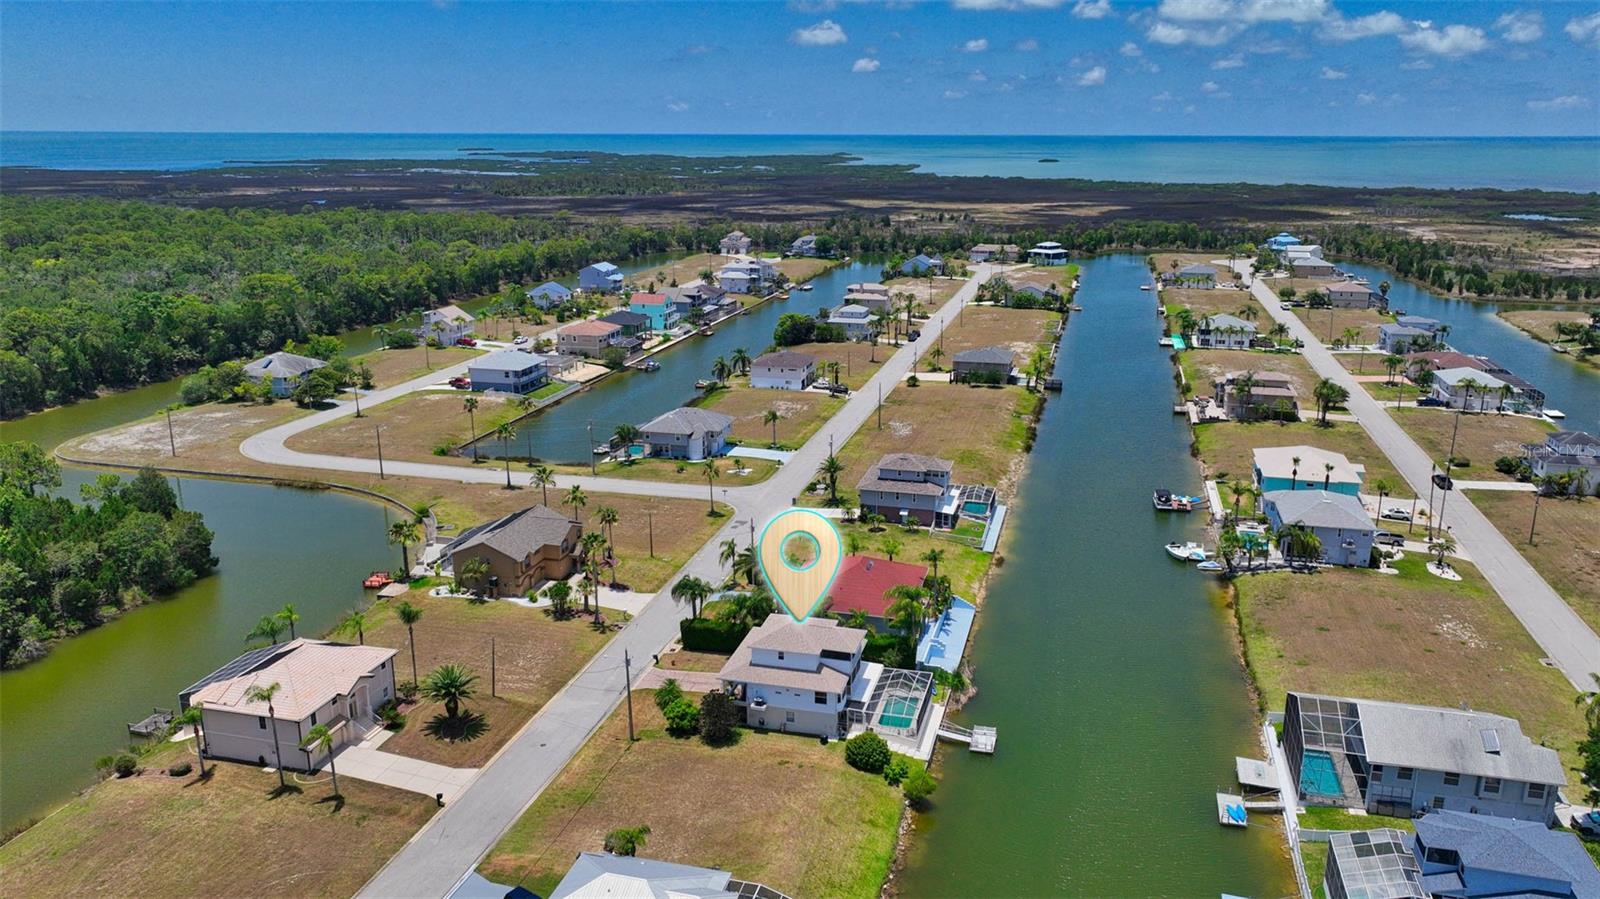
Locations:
(1393, 758)
(985, 252)
(871, 288)
(1224, 332)
(990, 364)
(783, 370)
(687, 433)
(633, 324)
(656, 307)
(855, 321)
(587, 338)
(1310, 267)
(1350, 295)
(1304, 467)
(1198, 275)
(922, 265)
(1372, 864)
(1471, 389)
(1047, 252)
(1567, 452)
(522, 549)
(508, 371)
(748, 275)
(695, 293)
(1303, 250)
(735, 243)
(284, 369)
(796, 676)
(1524, 396)
(1039, 292)
(1421, 322)
(446, 325)
(907, 487)
(601, 277)
(319, 682)
(1465, 855)
(863, 584)
(1271, 394)
(1401, 339)
(601, 875)
(1281, 241)
(805, 245)
(548, 295)
(1338, 520)
(877, 302)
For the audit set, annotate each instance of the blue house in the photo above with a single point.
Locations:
(656, 307)
(548, 295)
(1283, 241)
(1302, 467)
(922, 265)
(602, 276)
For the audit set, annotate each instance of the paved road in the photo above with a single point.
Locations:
(1565, 638)
(454, 841)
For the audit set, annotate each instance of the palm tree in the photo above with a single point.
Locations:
(1384, 488)
(1294, 473)
(354, 622)
(1244, 391)
(404, 533)
(1278, 332)
(726, 551)
(747, 609)
(1239, 490)
(908, 609)
(1393, 362)
(607, 516)
(1328, 394)
(1442, 547)
(194, 717)
(626, 434)
(831, 468)
(575, 499)
(1228, 546)
(1036, 366)
(449, 684)
(471, 405)
(1248, 312)
(288, 615)
(770, 417)
(720, 369)
(591, 585)
(935, 355)
(741, 360)
(711, 474)
(1327, 474)
(259, 693)
(474, 573)
(933, 557)
(504, 432)
(890, 546)
(544, 477)
(693, 591)
(409, 615)
(269, 628)
(321, 738)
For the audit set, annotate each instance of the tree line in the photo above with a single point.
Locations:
(67, 566)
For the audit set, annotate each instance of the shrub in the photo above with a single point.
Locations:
(913, 381)
(125, 765)
(706, 635)
(867, 752)
(406, 690)
(668, 693)
(626, 840)
(718, 717)
(683, 717)
(400, 340)
(1458, 462)
(390, 715)
(896, 771)
(181, 769)
(918, 787)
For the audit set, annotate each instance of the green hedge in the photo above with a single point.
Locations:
(702, 635)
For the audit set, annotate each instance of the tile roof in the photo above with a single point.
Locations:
(864, 582)
(516, 535)
(687, 420)
(648, 299)
(1319, 509)
(282, 365)
(310, 674)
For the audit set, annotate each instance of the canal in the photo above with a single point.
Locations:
(1109, 669)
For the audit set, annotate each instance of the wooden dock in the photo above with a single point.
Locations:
(978, 739)
(152, 725)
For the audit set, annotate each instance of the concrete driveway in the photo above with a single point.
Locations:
(365, 761)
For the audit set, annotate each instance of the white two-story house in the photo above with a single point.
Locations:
(796, 676)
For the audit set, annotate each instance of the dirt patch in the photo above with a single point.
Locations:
(800, 414)
(1564, 550)
(207, 433)
(1019, 330)
(1480, 439)
(413, 427)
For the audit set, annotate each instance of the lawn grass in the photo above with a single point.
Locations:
(534, 656)
(391, 367)
(1226, 448)
(156, 835)
(1058, 276)
(650, 469)
(1019, 330)
(1315, 858)
(685, 660)
(1540, 324)
(413, 426)
(800, 269)
(1163, 263)
(1318, 817)
(800, 414)
(677, 272)
(734, 808)
(964, 564)
(1565, 550)
(1364, 321)
(1410, 637)
(1203, 368)
(1480, 439)
(858, 362)
(1216, 301)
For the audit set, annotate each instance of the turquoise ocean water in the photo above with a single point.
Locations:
(1571, 164)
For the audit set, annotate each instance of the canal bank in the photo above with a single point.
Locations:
(1110, 670)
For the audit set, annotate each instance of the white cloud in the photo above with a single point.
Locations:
(1163, 97)
(1129, 48)
(813, 6)
(1416, 65)
(1329, 73)
(1378, 24)
(1026, 45)
(1366, 99)
(677, 106)
(823, 34)
(977, 76)
(1522, 26)
(976, 45)
(1228, 62)
(1211, 87)
(1244, 11)
(1556, 104)
(1173, 35)
(1585, 29)
(1091, 9)
(1449, 41)
(1093, 78)
(954, 95)
(865, 64)
(1007, 5)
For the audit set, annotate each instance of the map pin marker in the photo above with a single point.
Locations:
(800, 588)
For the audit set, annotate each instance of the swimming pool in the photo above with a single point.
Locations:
(975, 509)
(1318, 776)
(898, 711)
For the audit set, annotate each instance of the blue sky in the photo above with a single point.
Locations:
(817, 66)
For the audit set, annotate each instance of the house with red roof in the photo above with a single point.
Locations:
(863, 583)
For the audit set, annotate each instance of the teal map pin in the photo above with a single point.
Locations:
(799, 553)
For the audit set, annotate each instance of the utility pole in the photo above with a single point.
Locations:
(752, 530)
(651, 518)
(378, 430)
(1538, 489)
(627, 687)
(880, 405)
(591, 448)
(491, 666)
(172, 441)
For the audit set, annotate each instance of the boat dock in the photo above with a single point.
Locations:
(1231, 811)
(152, 725)
(1052, 384)
(978, 739)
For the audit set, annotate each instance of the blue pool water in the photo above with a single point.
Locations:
(1318, 776)
(898, 711)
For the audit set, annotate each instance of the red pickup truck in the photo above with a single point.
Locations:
(466, 341)
(460, 383)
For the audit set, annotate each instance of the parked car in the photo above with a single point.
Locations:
(916, 334)
(461, 383)
(1587, 824)
(1396, 515)
(1385, 538)
(466, 341)
(1443, 481)
(520, 339)
(1430, 401)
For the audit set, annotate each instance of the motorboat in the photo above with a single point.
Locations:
(1167, 501)
(1144, 287)
(1554, 413)
(377, 580)
(647, 365)
(1209, 565)
(1187, 552)
(602, 451)
(803, 286)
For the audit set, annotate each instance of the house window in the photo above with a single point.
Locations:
(313, 719)
(1491, 786)
(261, 722)
(822, 698)
(1405, 773)
(788, 717)
(1452, 779)
(780, 655)
(1438, 802)
(1377, 773)
(1536, 792)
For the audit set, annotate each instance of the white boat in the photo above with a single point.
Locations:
(1144, 287)
(1209, 565)
(803, 287)
(1554, 413)
(1187, 552)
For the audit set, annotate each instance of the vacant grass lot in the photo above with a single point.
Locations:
(734, 808)
(1217, 301)
(1329, 324)
(930, 293)
(1566, 547)
(413, 426)
(676, 272)
(1541, 323)
(965, 565)
(985, 446)
(390, 367)
(1203, 368)
(800, 414)
(1226, 448)
(858, 362)
(1409, 637)
(1058, 276)
(1480, 439)
(1019, 330)
(155, 835)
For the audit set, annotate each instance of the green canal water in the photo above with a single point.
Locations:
(1108, 668)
